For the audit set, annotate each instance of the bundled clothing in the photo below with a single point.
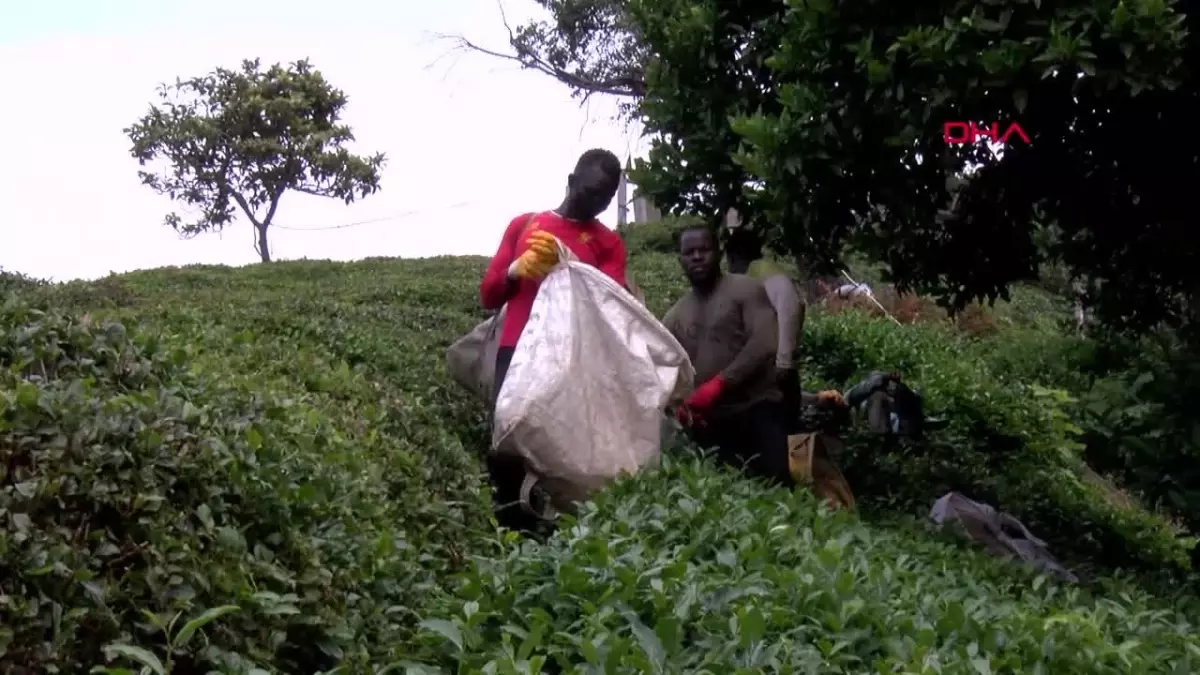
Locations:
(731, 336)
(854, 291)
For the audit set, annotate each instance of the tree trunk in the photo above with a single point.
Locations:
(262, 243)
(260, 227)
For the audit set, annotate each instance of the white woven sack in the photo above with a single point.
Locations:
(592, 371)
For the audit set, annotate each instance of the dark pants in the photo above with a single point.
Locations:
(507, 473)
(755, 439)
(789, 384)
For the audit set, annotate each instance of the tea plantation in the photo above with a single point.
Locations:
(265, 470)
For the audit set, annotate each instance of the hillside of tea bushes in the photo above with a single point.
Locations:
(265, 470)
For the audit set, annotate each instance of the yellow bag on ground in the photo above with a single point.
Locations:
(810, 461)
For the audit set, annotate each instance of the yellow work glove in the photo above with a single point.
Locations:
(830, 395)
(537, 261)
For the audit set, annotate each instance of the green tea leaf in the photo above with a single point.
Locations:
(189, 629)
(445, 629)
(135, 653)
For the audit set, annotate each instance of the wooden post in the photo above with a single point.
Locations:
(622, 202)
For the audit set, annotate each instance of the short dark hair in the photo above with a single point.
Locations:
(696, 228)
(744, 243)
(600, 158)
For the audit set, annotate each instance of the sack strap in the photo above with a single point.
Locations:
(527, 485)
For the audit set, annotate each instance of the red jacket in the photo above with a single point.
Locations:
(592, 243)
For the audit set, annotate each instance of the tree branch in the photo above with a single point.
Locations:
(632, 85)
(241, 201)
(312, 191)
(618, 86)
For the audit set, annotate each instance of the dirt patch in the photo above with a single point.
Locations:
(908, 308)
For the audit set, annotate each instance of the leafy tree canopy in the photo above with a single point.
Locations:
(240, 139)
(822, 123)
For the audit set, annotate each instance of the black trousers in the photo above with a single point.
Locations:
(789, 384)
(755, 439)
(507, 473)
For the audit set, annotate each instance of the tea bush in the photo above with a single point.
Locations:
(693, 570)
(657, 236)
(1008, 443)
(1141, 426)
(214, 469)
(11, 282)
(228, 447)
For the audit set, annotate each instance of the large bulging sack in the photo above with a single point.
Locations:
(471, 360)
(591, 374)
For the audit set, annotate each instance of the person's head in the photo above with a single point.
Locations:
(591, 186)
(700, 255)
(743, 248)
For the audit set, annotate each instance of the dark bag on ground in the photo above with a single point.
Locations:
(890, 406)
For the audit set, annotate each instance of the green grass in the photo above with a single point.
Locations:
(281, 441)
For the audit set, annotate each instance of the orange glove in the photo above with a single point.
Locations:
(538, 259)
(831, 396)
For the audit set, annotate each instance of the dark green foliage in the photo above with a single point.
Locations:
(1141, 425)
(656, 237)
(1008, 443)
(823, 122)
(12, 282)
(692, 570)
(1133, 404)
(272, 453)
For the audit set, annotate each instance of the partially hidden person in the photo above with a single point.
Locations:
(727, 326)
(743, 253)
(527, 253)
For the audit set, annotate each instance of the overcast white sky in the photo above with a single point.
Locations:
(466, 129)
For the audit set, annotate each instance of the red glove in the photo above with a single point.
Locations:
(704, 396)
(686, 418)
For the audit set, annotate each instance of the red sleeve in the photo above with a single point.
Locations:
(496, 287)
(614, 263)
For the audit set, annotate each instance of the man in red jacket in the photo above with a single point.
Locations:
(527, 253)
